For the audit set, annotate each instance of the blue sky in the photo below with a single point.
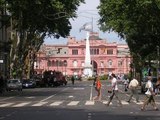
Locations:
(86, 13)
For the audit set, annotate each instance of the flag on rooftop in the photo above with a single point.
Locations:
(86, 27)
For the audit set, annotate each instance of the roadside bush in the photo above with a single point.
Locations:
(90, 78)
(104, 77)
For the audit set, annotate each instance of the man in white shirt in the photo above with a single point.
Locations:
(149, 95)
(133, 85)
(114, 89)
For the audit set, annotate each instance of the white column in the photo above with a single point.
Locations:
(87, 65)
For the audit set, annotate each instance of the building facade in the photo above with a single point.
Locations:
(69, 59)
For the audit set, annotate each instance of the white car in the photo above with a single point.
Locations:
(14, 84)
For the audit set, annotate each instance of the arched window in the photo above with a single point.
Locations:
(102, 64)
(65, 63)
(97, 51)
(110, 63)
(57, 63)
(53, 63)
(60, 63)
(75, 63)
(120, 63)
(82, 64)
(49, 63)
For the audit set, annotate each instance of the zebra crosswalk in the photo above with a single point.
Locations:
(62, 103)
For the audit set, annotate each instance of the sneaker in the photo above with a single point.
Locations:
(128, 101)
(142, 109)
(107, 104)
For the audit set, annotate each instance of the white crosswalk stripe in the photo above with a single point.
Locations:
(89, 103)
(21, 104)
(73, 103)
(39, 104)
(57, 103)
(6, 104)
(105, 102)
(67, 103)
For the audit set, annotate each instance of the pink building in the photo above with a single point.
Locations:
(69, 58)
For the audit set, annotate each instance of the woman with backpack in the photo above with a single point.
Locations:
(114, 89)
(149, 95)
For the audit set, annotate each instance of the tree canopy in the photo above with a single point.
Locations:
(49, 17)
(137, 21)
(31, 20)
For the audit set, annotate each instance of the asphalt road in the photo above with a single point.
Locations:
(72, 102)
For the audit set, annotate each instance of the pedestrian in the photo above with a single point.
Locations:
(94, 81)
(73, 79)
(149, 95)
(126, 81)
(157, 89)
(133, 86)
(114, 89)
(98, 86)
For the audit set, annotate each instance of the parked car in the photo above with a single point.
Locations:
(14, 84)
(28, 83)
(144, 81)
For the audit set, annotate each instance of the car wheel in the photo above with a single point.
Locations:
(19, 89)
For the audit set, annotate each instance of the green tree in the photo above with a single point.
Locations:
(32, 21)
(137, 21)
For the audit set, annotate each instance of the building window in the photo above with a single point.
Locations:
(75, 63)
(65, 63)
(102, 64)
(110, 51)
(120, 63)
(97, 51)
(53, 63)
(49, 63)
(60, 63)
(75, 52)
(110, 63)
(94, 51)
(57, 63)
(82, 64)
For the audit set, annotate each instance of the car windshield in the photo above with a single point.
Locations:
(27, 81)
(12, 81)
